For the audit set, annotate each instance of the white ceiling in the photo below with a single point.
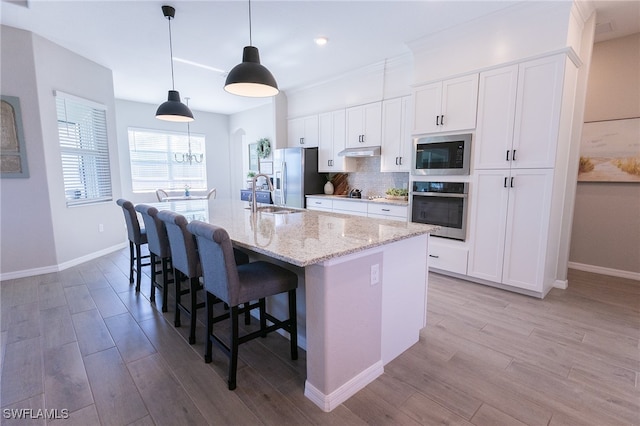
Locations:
(132, 38)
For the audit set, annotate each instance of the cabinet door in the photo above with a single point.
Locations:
(331, 140)
(391, 135)
(427, 101)
(310, 138)
(537, 118)
(488, 215)
(406, 143)
(325, 142)
(340, 164)
(295, 132)
(303, 132)
(372, 124)
(355, 125)
(459, 103)
(496, 115)
(527, 228)
(364, 125)
(396, 135)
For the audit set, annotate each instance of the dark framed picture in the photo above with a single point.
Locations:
(13, 153)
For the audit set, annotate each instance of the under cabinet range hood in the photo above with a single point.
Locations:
(364, 151)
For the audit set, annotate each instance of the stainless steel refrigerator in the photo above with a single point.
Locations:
(295, 174)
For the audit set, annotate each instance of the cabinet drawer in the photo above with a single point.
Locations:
(387, 210)
(319, 203)
(350, 206)
(447, 258)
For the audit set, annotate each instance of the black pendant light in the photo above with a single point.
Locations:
(250, 78)
(173, 109)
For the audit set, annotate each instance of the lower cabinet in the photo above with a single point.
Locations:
(359, 208)
(447, 256)
(387, 211)
(509, 221)
(324, 204)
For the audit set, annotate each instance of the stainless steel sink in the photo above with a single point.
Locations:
(276, 210)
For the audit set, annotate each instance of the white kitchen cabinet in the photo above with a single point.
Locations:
(364, 125)
(509, 218)
(387, 211)
(445, 106)
(303, 132)
(320, 203)
(332, 140)
(357, 208)
(447, 255)
(396, 137)
(519, 115)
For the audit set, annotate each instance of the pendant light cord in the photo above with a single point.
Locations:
(173, 85)
(250, 39)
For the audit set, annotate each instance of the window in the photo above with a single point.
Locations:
(154, 164)
(84, 150)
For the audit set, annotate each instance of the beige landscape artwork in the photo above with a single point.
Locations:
(610, 151)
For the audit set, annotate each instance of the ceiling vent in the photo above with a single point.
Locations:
(604, 27)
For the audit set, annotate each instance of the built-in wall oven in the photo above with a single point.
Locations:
(443, 204)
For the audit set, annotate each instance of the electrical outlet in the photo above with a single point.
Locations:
(375, 274)
(101, 228)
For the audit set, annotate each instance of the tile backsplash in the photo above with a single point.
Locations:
(372, 181)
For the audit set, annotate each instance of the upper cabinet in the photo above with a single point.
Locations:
(519, 115)
(332, 140)
(303, 132)
(364, 125)
(396, 137)
(445, 106)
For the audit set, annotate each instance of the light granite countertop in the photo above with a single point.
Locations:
(380, 200)
(302, 238)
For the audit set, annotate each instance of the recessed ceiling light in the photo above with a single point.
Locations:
(321, 41)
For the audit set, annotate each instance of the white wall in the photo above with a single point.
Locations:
(215, 127)
(606, 224)
(26, 231)
(245, 128)
(520, 31)
(76, 229)
(39, 232)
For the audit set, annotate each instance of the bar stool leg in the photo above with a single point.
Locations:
(131, 259)
(152, 296)
(293, 324)
(138, 267)
(233, 347)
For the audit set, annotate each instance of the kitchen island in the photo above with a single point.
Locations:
(362, 285)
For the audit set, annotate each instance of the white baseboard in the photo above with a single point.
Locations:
(344, 392)
(60, 267)
(605, 271)
(561, 284)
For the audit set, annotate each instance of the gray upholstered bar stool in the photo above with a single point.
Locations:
(238, 285)
(186, 264)
(159, 250)
(137, 238)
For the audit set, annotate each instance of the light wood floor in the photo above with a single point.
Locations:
(83, 341)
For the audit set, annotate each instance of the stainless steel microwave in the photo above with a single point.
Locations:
(441, 155)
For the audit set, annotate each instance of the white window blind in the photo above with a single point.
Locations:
(84, 150)
(154, 164)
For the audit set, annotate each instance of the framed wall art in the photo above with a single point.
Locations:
(610, 151)
(13, 153)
